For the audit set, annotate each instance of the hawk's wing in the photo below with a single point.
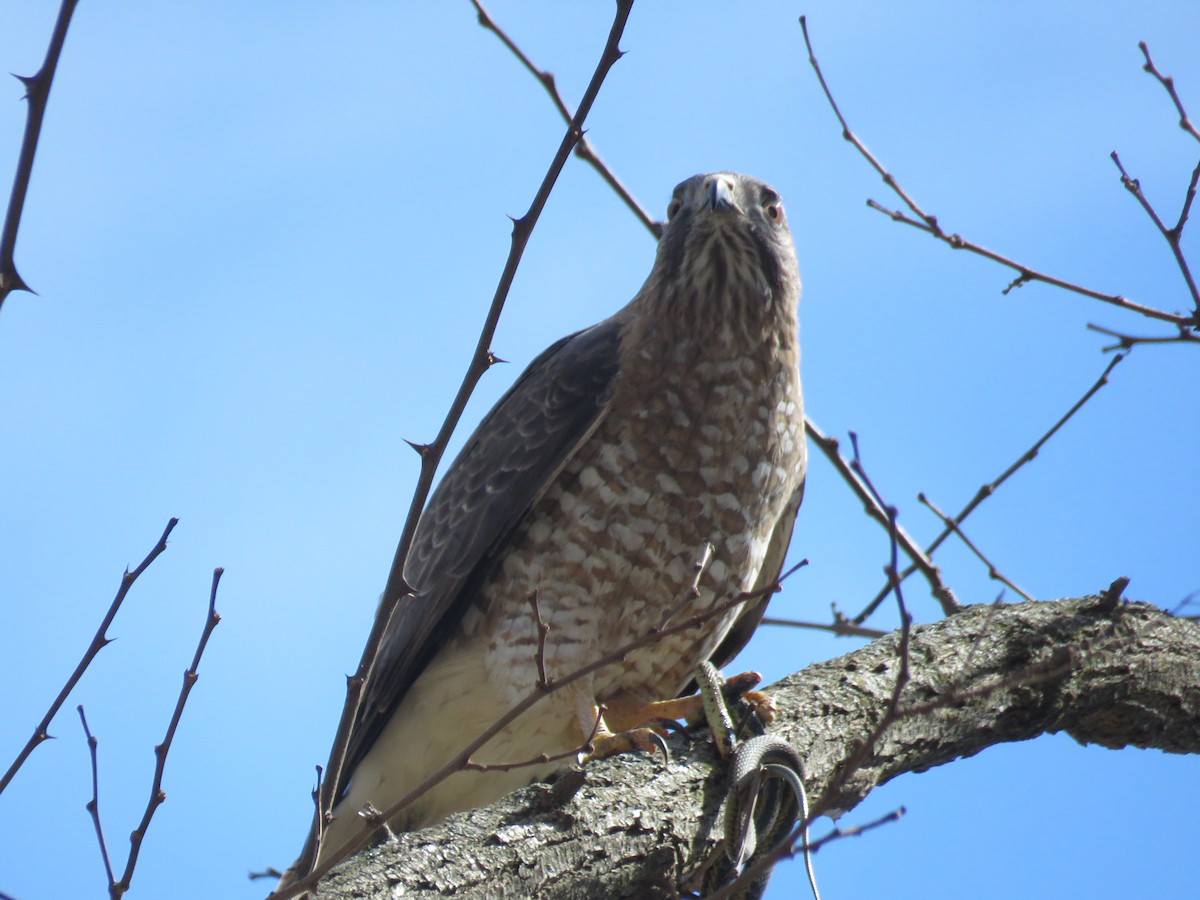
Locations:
(507, 464)
(743, 628)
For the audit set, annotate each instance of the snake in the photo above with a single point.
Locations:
(764, 798)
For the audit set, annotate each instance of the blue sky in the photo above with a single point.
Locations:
(263, 243)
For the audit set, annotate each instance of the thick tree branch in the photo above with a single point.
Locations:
(1115, 675)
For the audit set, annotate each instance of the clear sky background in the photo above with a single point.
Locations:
(264, 237)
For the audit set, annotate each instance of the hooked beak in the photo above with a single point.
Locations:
(719, 196)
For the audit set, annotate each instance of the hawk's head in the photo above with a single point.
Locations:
(727, 237)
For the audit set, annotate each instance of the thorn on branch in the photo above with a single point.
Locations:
(422, 450)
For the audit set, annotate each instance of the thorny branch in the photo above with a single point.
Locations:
(852, 830)
(99, 641)
(396, 587)
(584, 149)
(930, 222)
(37, 92)
(693, 591)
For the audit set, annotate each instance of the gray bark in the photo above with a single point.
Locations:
(1115, 675)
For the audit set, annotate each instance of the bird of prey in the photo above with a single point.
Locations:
(597, 481)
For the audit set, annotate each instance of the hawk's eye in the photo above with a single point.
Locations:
(774, 211)
(673, 208)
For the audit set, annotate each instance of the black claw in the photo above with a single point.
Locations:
(663, 746)
(669, 725)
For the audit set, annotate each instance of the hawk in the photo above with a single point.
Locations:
(597, 481)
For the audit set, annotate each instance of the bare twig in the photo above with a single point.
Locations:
(1173, 234)
(888, 179)
(1126, 342)
(93, 805)
(987, 624)
(840, 626)
(157, 795)
(920, 559)
(1188, 600)
(397, 587)
(543, 629)
(993, 573)
(37, 92)
(789, 849)
(1026, 274)
(319, 835)
(852, 830)
(693, 591)
(893, 574)
(928, 222)
(584, 149)
(1169, 83)
(99, 641)
(988, 489)
(586, 747)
